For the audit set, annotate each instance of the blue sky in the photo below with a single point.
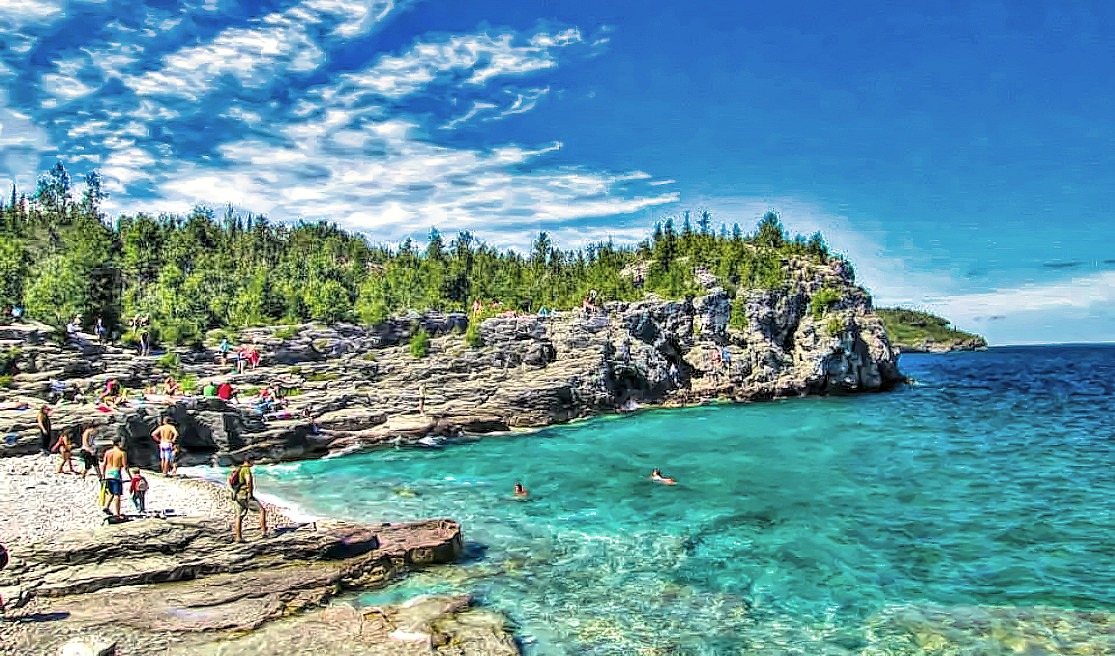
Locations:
(961, 154)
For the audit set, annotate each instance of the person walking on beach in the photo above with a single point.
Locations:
(88, 453)
(65, 449)
(138, 490)
(166, 436)
(243, 485)
(113, 466)
(43, 421)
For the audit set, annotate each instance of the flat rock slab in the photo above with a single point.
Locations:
(151, 584)
(429, 625)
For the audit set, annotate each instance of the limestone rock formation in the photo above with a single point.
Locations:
(351, 387)
(156, 584)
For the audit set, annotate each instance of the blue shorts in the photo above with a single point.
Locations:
(115, 486)
(166, 453)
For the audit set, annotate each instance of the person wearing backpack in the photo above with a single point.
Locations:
(242, 483)
(138, 488)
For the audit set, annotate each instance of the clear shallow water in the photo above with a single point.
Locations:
(801, 526)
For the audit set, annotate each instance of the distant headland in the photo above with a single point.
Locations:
(913, 331)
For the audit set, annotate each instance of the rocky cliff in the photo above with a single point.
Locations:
(350, 387)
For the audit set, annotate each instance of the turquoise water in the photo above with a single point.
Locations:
(801, 526)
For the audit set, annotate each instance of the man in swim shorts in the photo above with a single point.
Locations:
(166, 436)
(114, 464)
(244, 493)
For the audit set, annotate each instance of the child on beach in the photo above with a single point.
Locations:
(65, 449)
(138, 490)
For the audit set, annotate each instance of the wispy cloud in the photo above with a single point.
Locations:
(257, 113)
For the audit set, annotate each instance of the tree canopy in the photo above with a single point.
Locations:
(60, 257)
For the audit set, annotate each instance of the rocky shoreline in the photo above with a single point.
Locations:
(346, 388)
(177, 584)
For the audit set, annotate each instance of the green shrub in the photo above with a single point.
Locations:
(420, 344)
(834, 326)
(294, 371)
(320, 377)
(179, 333)
(472, 335)
(5, 381)
(169, 363)
(738, 318)
(822, 300)
(188, 383)
(286, 332)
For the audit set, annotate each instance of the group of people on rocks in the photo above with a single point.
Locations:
(113, 471)
(110, 468)
(243, 357)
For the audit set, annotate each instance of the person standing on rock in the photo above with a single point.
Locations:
(243, 484)
(145, 342)
(166, 436)
(43, 421)
(88, 453)
(113, 466)
(224, 348)
(422, 398)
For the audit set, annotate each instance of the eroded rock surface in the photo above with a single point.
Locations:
(360, 386)
(181, 583)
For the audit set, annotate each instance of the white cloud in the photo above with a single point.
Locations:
(1076, 293)
(486, 56)
(65, 84)
(18, 13)
(524, 102)
(477, 108)
(277, 44)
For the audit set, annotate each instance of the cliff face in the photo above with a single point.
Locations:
(352, 387)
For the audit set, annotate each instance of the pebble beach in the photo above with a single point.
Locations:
(39, 503)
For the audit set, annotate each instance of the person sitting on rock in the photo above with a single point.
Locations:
(225, 391)
(210, 389)
(253, 357)
(658, 477)
(112, 388)
(171, 387)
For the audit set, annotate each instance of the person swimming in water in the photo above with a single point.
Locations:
(520, 491)
(658, 477)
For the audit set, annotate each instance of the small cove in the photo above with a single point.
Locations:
(809, 526)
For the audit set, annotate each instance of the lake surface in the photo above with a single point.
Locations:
(970, 512)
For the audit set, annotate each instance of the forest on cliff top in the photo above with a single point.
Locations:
(61, 256)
